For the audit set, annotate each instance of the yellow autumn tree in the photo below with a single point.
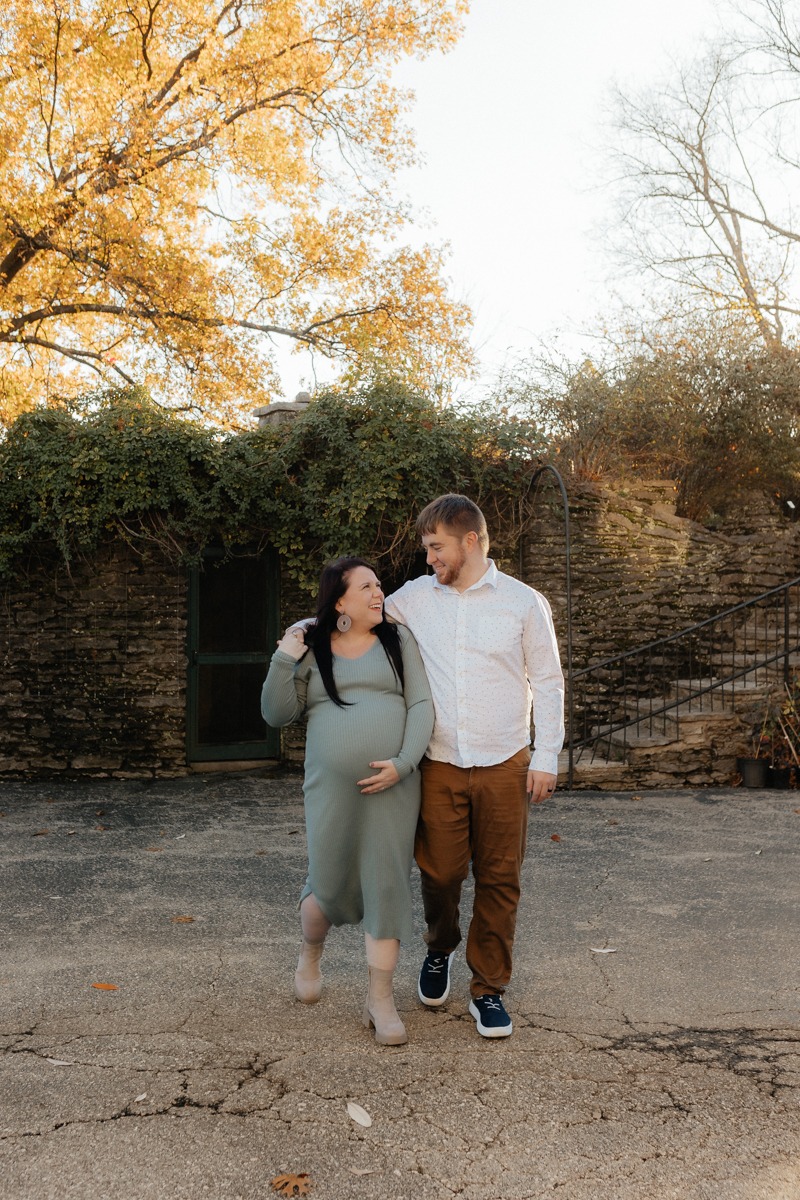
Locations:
(185, 184)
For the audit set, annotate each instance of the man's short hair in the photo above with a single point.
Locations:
(457, 514)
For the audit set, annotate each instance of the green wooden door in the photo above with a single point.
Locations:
(233, 627)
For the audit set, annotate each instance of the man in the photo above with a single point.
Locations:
(489, 648)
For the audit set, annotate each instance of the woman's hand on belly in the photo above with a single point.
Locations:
(386, 777)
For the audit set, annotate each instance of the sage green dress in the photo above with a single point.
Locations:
(360, 847)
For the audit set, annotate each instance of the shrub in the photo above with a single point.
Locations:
(349, 475)
(717, 412)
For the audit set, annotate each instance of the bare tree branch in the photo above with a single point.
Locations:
(697, 173)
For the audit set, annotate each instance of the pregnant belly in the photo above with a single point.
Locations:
(347, 740)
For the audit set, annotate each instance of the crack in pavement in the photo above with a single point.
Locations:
(741, 1050)
(647, 1106)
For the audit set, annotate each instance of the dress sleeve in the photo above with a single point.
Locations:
(283, 696)
(419, 707)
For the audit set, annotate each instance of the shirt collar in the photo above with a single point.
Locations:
(488, 579)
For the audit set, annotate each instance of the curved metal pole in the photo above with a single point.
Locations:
(568, 567)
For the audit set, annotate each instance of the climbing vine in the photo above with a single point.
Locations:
(348, 475)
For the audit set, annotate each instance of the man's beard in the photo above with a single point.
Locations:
(449, 577)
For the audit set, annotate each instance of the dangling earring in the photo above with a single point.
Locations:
(343, 623)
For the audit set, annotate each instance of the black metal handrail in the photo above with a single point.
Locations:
(549, 469)
(669, 675)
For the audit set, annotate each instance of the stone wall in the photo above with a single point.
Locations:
(93, 668)
(93, 659)
(639, 572)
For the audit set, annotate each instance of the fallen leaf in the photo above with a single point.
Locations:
(636, 797)
(182, 920)
(40, 833)
(99, 812)
(102, 828)
(606, 950)
(555, 837)
(363, 1170)
(105, 987)
(292, 1185)
(259, 853)
(71, 832)
(139, 1099)
(797, 810)
(612, 822)
(359, 1114)
(758, 851)
(59, 1062)
(180, 835)
(155, 849)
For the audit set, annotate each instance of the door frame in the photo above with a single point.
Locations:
(269, 747)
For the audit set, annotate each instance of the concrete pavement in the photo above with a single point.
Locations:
(668, 1068)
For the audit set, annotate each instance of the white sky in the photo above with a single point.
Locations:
(508, 124)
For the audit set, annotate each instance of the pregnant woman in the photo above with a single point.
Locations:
(360, 679)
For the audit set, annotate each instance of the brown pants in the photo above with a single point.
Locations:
(477, 813)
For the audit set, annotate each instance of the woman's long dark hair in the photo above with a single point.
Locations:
(332, 586)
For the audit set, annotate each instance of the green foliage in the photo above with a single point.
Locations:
(348, 476)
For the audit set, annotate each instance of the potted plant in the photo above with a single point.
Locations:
(775, 761)
(752, 769)
(785, 739)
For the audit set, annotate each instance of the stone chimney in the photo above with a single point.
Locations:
(282, 410)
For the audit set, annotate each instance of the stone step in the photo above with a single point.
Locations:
(712, 710)
(596, 773)
(771, 639)
(745, 687)
(695, 741)
(747, 659)
(609, 775)
(690, 731)
(616, 746)
(719, 702)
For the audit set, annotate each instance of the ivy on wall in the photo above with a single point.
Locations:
(346, 476)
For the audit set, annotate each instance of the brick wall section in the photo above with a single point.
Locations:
(639, 572)
(93, 669)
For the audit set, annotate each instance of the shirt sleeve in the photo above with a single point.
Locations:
(543, 668)
(393, 607)
(419, 708)
(302, 623)
(283, 696)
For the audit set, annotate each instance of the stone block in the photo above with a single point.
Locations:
(175, 702)
(14, 764)
(91, 762)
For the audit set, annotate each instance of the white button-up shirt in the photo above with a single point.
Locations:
(490, 652)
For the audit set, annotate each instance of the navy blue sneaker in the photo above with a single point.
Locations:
(492, 1019)
(434, 979)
